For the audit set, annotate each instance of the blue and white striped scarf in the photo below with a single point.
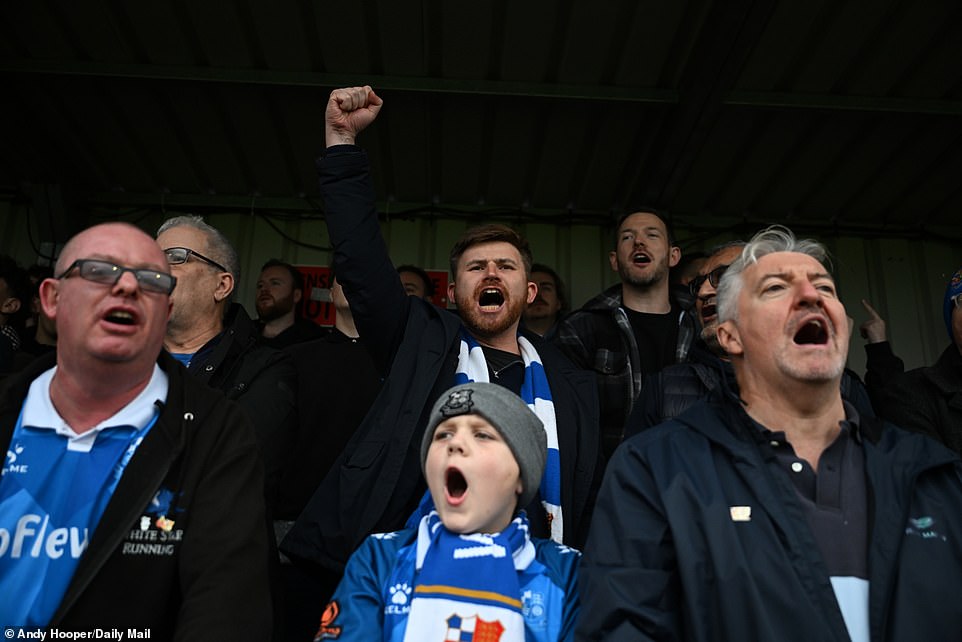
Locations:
(535, 392)
(467, 586)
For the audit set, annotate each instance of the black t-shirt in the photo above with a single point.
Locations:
(656, 336)
(504, 368)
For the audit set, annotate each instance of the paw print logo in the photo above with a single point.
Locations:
(13, 453)
(565, 550)
(400, 594)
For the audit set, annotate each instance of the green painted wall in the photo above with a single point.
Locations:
(904, 279)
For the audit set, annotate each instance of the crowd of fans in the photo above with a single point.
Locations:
(685, 456)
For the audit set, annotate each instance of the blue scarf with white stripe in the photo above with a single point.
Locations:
(535, 392)
(467, 586)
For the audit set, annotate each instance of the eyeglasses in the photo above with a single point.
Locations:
(713, 277)
(108, 274)
(178, 255)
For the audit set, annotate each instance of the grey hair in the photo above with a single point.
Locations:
(218, 247)
(775, 238)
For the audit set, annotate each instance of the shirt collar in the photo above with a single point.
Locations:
(851, 425)
(39, 411)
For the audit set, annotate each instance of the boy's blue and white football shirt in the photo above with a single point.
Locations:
(53, 491)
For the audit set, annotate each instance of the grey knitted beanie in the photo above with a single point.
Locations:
(518, 425)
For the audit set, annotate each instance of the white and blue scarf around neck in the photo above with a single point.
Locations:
(535, 392)
(467, 585)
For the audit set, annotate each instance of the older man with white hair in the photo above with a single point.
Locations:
(777, 512)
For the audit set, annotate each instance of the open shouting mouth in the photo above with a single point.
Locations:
(812, 332)
(491, 299)
(456, 485)
(120, 317)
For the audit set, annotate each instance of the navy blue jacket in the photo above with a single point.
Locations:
(666, 560)
(376, 483)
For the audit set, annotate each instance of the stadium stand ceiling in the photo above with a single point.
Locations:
(827, 115)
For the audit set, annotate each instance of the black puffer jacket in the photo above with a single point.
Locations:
(672, 391)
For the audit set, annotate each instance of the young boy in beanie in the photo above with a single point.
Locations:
(469, 571)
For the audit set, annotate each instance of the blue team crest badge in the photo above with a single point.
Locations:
(473, 629)
(160, 509)
(533, 608)
(160, 504)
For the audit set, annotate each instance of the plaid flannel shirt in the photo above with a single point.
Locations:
(599, 337)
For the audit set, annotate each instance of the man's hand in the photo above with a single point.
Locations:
(874, 328)
(349, 112)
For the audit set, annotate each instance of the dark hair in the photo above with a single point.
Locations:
(559, 285)
(421, 274)
(490, 233)
(296, 276)
(36, 273)
(676, 273)
(659, 214)
(18, 286)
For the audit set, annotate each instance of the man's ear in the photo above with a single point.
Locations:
(729, 338)
(674, 255)
(613, 260)
(532, 291)
(298, 295)
(10, 305)
(225, 285)
(49, 297)
(451, 297)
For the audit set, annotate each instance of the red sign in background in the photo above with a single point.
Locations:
(316, 304)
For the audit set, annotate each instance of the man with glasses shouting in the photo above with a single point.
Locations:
(218, 342)
(131, 497)
(669, 392)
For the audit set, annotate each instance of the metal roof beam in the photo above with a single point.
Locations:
(308, 79)
(772, 100)
(776, 100)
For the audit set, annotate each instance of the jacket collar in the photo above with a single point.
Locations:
(722, 419)
(609, 299)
